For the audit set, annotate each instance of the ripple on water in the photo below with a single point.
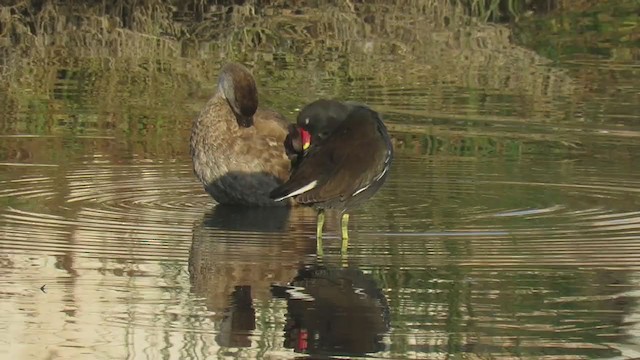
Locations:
(454, 198)
(481, 239)
(140, 211)
(158, 188)
(27, 188)
(482, 217)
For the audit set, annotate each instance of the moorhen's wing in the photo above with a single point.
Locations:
(347, 162)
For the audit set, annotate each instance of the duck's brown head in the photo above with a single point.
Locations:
(239, 88)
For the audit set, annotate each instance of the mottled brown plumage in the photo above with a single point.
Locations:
(237, 148)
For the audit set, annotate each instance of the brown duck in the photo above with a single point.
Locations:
(236, 148)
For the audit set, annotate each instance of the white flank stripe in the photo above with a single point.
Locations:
(361, 190)
(374, 180)
(303, 189)
(297, 292)
(381, 174)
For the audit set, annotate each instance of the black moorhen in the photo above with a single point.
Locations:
(348, 162)
(314, 123)
(334, 310)
(320, 118)
(236, 147)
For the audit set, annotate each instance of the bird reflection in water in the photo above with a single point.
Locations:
(334, 311)
(237, 253)
(238, 319)
(236, 258)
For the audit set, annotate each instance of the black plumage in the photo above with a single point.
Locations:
(347, 162)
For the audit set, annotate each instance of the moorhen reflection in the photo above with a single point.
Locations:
(346, 165)
(236, 254)
(334, 311)
(236, 147)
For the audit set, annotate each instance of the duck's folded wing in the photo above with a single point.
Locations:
(266, 119)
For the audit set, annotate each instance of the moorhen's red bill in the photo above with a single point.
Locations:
(235, 146)
(346, 165)
(314, 123)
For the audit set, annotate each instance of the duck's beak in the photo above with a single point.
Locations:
(306, 138)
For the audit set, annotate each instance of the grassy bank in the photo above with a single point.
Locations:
(143, 68)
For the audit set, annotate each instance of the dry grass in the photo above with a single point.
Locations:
(149, 46)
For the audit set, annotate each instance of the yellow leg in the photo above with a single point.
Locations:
(319, 226)
(344, 224)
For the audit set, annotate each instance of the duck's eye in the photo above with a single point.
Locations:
(306, 121)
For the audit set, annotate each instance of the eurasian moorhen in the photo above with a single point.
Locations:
(236, 148)
(314, 123)
(346, 165)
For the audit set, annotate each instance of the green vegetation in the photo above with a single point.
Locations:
(608, 29)
(142, 69)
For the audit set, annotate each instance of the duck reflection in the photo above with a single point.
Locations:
(244, 218)
(334, 311)
(238, 319)
(241, 258)
(237, 253)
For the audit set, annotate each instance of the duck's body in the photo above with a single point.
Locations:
(345, 167)
(236, 148)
